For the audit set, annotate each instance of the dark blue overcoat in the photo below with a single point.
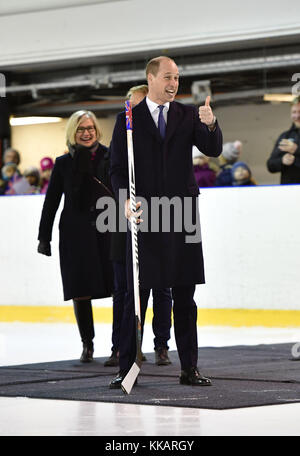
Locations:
(165, 168)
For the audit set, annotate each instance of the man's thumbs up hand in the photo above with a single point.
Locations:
(205, 113)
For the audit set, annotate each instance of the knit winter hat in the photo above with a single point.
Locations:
(230, 152)
(46, 163)
(242, 165)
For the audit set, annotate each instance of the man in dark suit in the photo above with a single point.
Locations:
(164, 132)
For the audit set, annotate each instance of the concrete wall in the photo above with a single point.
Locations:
(258, 127)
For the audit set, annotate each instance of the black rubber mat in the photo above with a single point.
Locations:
(242, 376)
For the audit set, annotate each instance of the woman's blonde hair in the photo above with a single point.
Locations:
(74, 122)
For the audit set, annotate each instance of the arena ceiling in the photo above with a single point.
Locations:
(240, 73)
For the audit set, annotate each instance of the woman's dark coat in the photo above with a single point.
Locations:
(84, 252)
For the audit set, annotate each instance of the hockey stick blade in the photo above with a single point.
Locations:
(130, 378)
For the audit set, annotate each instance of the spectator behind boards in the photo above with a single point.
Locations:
(241, 175)
(204, 175)
(26, 185)
(46, 165)
(9, 175)
(285, 157)
(11, 156)
(230, 154)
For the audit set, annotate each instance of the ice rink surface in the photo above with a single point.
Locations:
(32, 343)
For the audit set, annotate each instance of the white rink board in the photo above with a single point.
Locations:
(251, 243)
(251, 247)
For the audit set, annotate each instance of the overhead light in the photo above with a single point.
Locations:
(280, 97)
(16, 121)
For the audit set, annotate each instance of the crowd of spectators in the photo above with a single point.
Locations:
(32, 181)
(229, 171)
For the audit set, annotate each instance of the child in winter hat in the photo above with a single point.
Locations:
(46, 165)
(230, 154)
(231, 151)
(241, 174)
(9, 175)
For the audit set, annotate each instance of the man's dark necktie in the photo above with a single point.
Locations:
(161, 122)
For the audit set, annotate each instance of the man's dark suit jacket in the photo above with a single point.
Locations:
(164, 168)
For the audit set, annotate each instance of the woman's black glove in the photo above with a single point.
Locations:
(44, 248)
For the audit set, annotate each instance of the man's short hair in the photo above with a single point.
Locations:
(153, 65)
(140, 88)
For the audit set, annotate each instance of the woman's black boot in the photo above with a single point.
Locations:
(84, 317)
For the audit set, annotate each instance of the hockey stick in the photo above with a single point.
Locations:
(131, 376)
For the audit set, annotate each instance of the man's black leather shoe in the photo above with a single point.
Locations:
(193, 377)
(116, 382)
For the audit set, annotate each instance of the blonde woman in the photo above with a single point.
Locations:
(82, 176)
